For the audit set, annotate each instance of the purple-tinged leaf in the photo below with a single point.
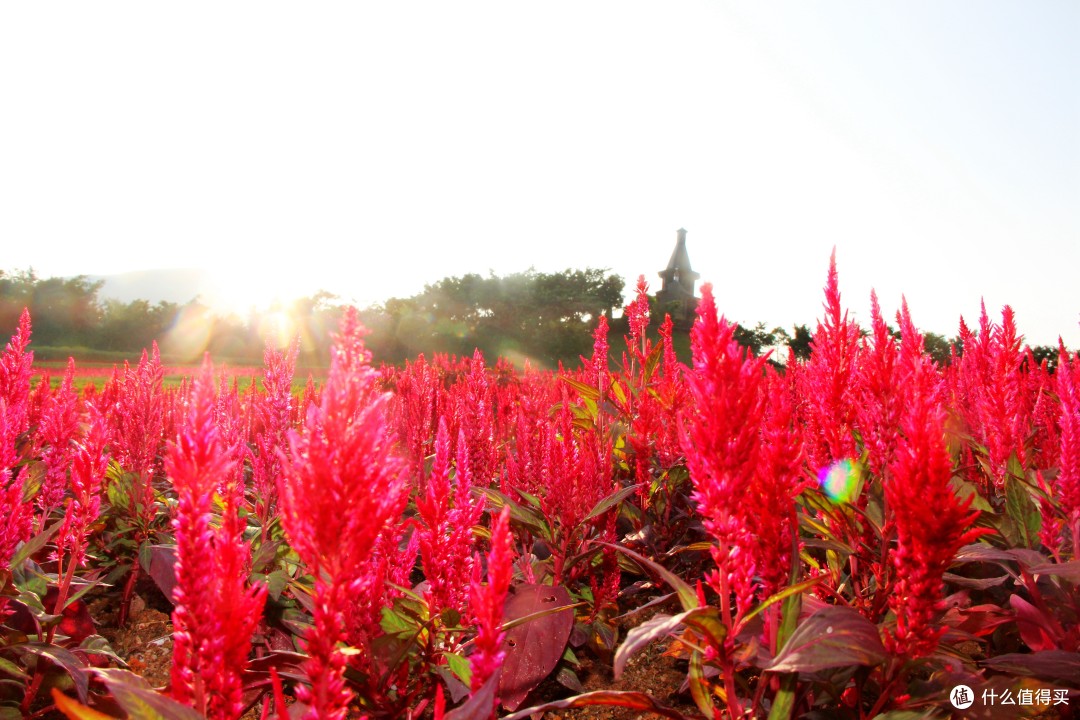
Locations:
(687, 597)
(140, 701)
(981, 552)
(161, 567)
(480, 705)
(610, 698)
(1056, 666)
(974, 583)
(1035, 628)
(1068, 570)
(71, 663)
(704, 619)
(533, 648)
(831, 637)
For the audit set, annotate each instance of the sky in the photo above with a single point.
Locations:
(370, 148)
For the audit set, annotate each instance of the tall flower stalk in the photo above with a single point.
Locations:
(931, 522)
(216, 610)
(341, 486)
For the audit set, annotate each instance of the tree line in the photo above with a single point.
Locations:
(545, 317)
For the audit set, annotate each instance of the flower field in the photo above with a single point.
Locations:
(856, 535)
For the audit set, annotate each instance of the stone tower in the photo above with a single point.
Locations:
(676, 294)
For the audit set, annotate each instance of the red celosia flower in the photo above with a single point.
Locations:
(637, 317)
(16, 368)
(448, 515)
(931, 523)
(473, 419)
(722, 445)
(993, 394)
(828, 381)
(1067, 485)
(15, 371)
(744, 458)
(215, 610)
(341, 485)
(87, 473)
(877, 408)
(487, 602)
(17, 514)
(274, 411)
(58, 430)
(139, 418)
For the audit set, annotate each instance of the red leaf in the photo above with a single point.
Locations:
(534, 648)
(1034, 628)
(615, 698)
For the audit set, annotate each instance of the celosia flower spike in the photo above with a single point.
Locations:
(215, 611)
(487, 602)
(341, 486)
(931, 522)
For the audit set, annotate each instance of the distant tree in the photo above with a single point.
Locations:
(938, 348)
(545, 316)
(133, 326)
(799, 342)
(758, 339)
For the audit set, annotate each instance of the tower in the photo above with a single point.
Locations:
(676, 295)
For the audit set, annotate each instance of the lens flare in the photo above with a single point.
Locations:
(840, 481)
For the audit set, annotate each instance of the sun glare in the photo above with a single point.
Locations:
(240, 293)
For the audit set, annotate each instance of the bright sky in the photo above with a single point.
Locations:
(370, 148)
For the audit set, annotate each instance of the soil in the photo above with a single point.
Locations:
(146, 646)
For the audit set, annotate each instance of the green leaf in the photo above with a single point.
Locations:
(6, 666)
(699, 686)
(965, 489)
(653, 360)
(618, 392)
(460, 666)
(35, 475)
(831, 637)
(520, 516)
(98, 645)
(782, 595)
(586, 391)
(276, 583)
(784, 702)
(1022, 509)
(611, 501)
(34, 544)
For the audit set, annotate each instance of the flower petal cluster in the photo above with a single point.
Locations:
(1067, 485)
(15, 369)
(341, 485)
(743, 457)
(828, 382)
(931, 522)
(487, 602)
(215, 610)
(58, 430)
(447, 513)
(87, 474)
